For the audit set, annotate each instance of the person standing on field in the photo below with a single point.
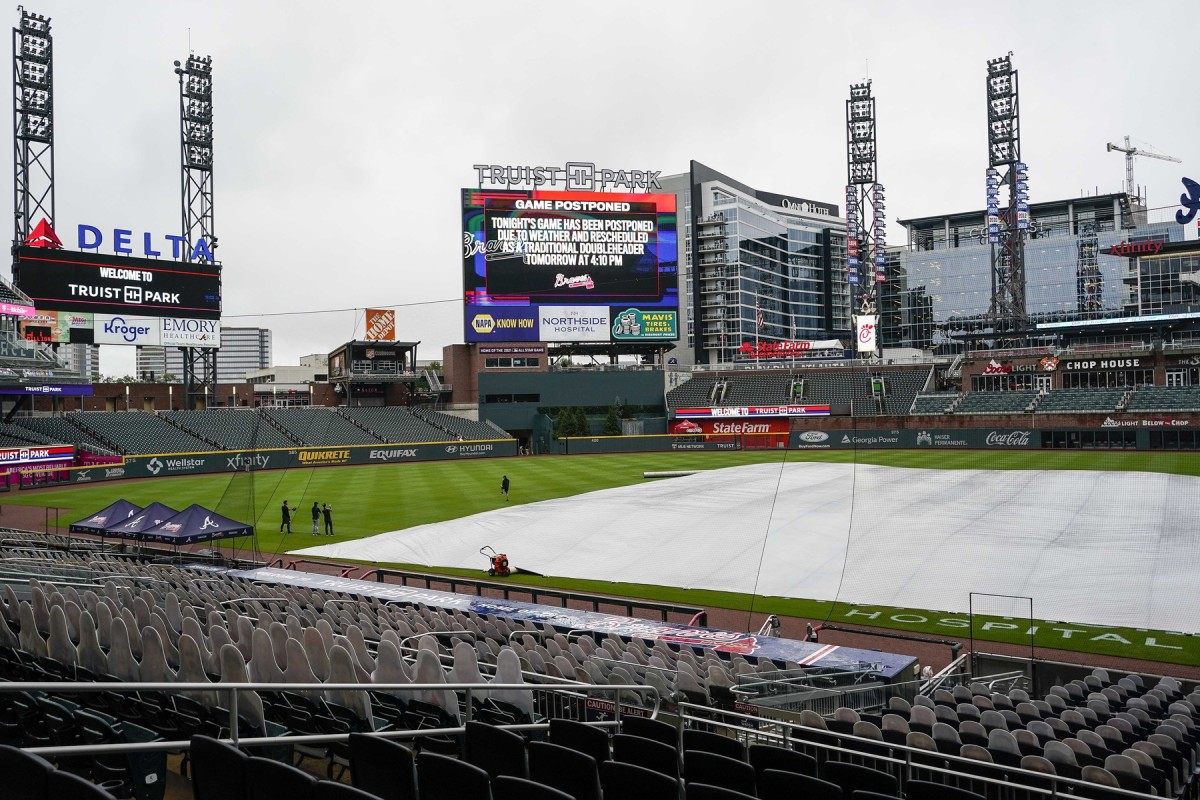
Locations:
(316, 515)
(327, 510)
(504, 487)
(287, 518)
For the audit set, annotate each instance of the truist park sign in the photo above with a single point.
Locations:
(574, 176)
(144, 275)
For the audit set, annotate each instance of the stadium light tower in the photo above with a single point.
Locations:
(196, 187)
(866, 218)
(1007, 227)
(33, 125)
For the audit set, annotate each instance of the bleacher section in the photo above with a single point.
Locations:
(902, 387)
(1161, 398)
(232, 429)
(933, 403)
(851, 387)
(16, 436)
(691, 394)
(457, 426)
(396, 425)
(139, 432)
(952, 739)
(995, 402)
(758, 390)
(320, 427)
(60, 429)
(1079, 400)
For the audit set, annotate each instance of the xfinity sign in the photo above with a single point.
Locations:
(122, 243)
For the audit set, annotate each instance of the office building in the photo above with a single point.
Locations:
(1087, 260)
(755, 267)
(81, 358)
(243, 351)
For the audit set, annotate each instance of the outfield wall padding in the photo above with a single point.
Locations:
(159, 466)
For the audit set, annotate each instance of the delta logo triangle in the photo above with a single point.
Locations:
(44, 236)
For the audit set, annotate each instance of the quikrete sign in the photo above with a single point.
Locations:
(1111, 363)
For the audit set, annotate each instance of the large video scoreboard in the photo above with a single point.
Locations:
(74, 281)
(569, 266)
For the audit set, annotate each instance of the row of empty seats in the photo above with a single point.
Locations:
(212, 628)
(232, 429)
(140, 432)
(1162, 398)
(1079, 400)
(62, 430)
(995, 402)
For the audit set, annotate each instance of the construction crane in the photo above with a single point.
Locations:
(1131, 151)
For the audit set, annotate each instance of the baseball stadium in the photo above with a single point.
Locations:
(719, 496)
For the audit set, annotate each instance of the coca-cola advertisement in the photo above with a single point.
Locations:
(1008, 439)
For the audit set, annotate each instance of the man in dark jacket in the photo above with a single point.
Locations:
(504, 487)
(327, 510)
(287, 518)
(316, 515)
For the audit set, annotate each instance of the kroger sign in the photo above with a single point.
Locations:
(126, 329)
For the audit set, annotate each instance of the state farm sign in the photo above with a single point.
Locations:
(771, 426)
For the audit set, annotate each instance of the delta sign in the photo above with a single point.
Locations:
(122, 242)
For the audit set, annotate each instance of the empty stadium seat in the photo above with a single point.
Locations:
(995, 402)
(139, 432)
(232, 428)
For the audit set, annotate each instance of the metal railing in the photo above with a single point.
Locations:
(901, 762)
(537, 593)
(232, 690)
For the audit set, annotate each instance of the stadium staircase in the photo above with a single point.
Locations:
(277, 426)
(341, 412)
(171, 420)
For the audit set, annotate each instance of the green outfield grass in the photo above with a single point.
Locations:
(374, 499)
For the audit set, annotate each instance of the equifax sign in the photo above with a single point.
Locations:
(123, 242)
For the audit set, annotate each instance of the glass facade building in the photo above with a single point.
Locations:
(756, 266)
(1087, 260)
(243, 350)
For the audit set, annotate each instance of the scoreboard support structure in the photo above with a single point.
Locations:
(196, 190)
(33, 125)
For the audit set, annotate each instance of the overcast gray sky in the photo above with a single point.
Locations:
(344, 130)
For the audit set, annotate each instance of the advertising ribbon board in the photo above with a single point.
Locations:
(889, 665)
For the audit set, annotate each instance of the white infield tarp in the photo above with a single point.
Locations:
(1112, 548)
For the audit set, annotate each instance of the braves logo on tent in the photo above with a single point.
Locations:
(209, 522)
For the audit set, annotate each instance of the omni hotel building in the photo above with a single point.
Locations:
(744, 250)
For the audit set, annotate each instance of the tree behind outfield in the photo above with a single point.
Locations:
(612, 423)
